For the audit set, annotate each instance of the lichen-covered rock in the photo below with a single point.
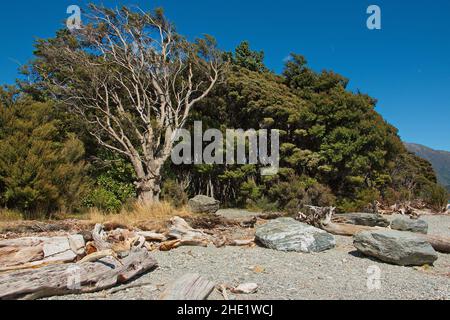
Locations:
(395, 247)
(407, 224)
(204, 204)
(363, 219)
(287, 234)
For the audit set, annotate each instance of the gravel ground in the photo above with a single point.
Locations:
(341, 273)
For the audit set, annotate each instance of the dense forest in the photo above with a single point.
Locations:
(439, 159)
(335, 148)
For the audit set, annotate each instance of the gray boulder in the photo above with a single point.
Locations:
(204, 204)
(363, 219)
(287, 234)
(395, 247)
(407, 224)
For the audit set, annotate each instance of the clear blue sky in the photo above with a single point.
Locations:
(406, 65)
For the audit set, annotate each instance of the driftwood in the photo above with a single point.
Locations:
(99, 255)
(152, 236)
(188, 287)
(181, 234)
(241, 243)
(344, 229)
(74, 278)
(362, 219)
(35, 251)
(99, 237)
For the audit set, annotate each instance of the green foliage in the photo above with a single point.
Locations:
(335, 148)
(436, 196)
(263, 204)
(103, 199)
(363, 199)
(113, 185)
(249, 59)
(293, 193)
(440, 161)
(173, 193)
(41, 167)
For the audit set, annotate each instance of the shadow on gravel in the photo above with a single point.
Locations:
(357, 254)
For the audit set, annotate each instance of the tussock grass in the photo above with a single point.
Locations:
(10, 215)
(152, 217)
(144, 216)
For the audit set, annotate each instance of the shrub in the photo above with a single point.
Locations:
(297, 192)
(173, 193)
(41, 167)
(364, 199)
(113, 185)
(103, 199)
(436, 196)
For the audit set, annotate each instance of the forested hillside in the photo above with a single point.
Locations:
(439, 159)
(335, 148)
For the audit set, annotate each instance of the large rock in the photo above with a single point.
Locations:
(395, 247)
(363, 219)
(407, 224)
(287, 234)
(204, 204)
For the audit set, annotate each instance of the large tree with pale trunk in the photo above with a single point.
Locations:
(133, 81)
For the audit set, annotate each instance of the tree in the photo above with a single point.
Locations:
(133, 81)
(249, 59)
(41, 167)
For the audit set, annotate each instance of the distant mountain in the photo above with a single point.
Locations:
(439, 159)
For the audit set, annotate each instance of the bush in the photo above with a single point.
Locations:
(364, 199)
(436, 196)
(173, 193)
(113, 185)
(103, 199)
(263, 204)
(42, 170)
(297, 192)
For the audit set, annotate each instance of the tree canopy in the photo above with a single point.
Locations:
(129, 98)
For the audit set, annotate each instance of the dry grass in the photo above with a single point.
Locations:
(152, 217)
(144, 216)
(9, 215)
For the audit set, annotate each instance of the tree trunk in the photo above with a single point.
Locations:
(148, 190)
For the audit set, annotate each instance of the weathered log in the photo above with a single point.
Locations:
(74, 278)
(23, 251)
(362, 219)
(99, 236)
(439, 243)
(152, 236)
(244, 242)
(344, 229)
(188, 287)
(184, 235)
(13, 256)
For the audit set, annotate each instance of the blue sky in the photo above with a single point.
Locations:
(406, 65)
